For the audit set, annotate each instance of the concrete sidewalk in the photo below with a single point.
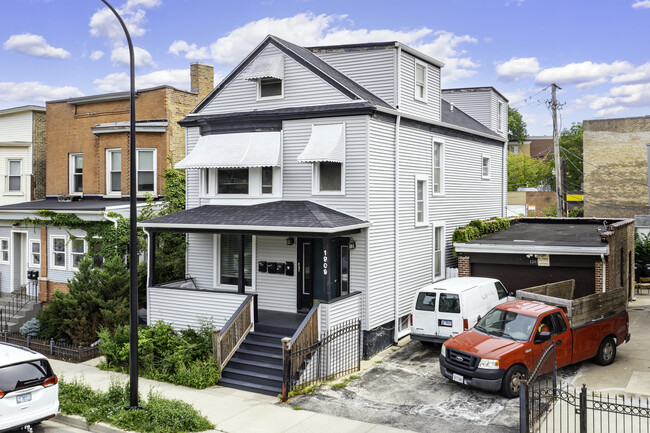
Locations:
(230, 410)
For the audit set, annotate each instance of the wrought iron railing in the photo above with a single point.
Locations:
(226, 341)
(18, 299)
(52, 349)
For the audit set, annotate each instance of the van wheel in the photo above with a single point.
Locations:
(512, 381)
(606, 352)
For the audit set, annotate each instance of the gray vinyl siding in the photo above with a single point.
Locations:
(407, 103)
(188, 308)
(301, 88)
(381, 234)
(276, 292)
(373, 69)
(191, 176)
(504, 115)
(335, 313)
(200, 259)
(16, 127)
(478, 105)
(297, 176)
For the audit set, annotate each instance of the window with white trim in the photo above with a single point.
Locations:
(58, 249)
(4, 250)
(250, 182)
(267, 180)
(14, 179)
(438, 169)
(499, 116)
(438, 251)
(514, 149)
(421, 200)
(328, 177)
(34, 253)
(229, 260)
(270, 88)
(77, 252)
(420, 81)
(485, 167)
(76, 173)
(345, 270)
(146, 168)
(114, 171)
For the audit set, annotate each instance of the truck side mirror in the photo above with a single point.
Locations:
(542, 336)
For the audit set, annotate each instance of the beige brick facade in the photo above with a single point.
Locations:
(69, 130)
(616, 168)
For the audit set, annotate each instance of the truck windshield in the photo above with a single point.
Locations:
(506, 324)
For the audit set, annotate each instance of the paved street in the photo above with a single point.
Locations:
(53, 426)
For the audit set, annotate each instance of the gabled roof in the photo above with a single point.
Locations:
(459, 118)
(309, 60)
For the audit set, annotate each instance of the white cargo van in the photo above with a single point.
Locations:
(449, 307)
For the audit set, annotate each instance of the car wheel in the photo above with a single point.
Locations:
(512, 381)
(606, 352)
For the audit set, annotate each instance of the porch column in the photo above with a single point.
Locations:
(327, 267)
(151, 248)
(241, 282)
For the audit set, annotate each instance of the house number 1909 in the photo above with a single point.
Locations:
(324, 262)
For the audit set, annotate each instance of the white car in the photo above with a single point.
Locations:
(29, 390)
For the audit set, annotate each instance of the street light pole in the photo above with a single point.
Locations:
(133, 243)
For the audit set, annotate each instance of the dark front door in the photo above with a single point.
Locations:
(305, 274)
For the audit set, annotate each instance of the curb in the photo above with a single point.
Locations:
(80, 423)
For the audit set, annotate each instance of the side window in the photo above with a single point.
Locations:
(501, 291)
(560, 323)
(546, 324)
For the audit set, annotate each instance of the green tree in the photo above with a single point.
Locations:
(571, 151)
(516, 126)
(526, 171)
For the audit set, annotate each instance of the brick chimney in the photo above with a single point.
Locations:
(201, 78)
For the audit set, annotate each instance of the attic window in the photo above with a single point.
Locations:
(269, 87)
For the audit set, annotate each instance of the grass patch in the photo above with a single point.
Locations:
(344, 382)
(297, 408)
(157, 415)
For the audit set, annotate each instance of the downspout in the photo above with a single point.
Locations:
(398, 120)
(602, 258)
(149, 272)
(113, 220)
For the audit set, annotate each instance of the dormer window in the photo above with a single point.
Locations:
(268, 72)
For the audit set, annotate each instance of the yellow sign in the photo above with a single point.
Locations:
(543, 260)
(575, 197)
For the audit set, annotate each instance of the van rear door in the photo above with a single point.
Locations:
(424, 314)
(450, 317)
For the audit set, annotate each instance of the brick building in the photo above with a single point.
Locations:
(88, 174)
(22, 154)
(616, 167)
(535, 251)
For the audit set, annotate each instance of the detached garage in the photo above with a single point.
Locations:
(597, 253)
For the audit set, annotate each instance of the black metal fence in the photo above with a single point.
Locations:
(336, 354)
(51, 349)
(547, 405)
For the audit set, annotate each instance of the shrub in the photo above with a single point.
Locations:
(157, 415)
(183, 358)
(477, 228)
(30, 328)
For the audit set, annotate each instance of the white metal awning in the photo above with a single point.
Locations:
(248, 149)
(326, 144)
(265, 67)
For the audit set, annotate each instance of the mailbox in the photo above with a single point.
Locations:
(288, 268)
(271, 267)
(261, 266)
(279, 268)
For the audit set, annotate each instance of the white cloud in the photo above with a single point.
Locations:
(517, 67)
(120, 56)
(133, 12)
(641, 4)
(307, 29)
(618, 98)
(96, 55)
(515, 98)
(638, 75)
(514, 2)
(585, 74)
(608, 112)
(34, 45)
(191, 51)
(117, 82)
(35, 92)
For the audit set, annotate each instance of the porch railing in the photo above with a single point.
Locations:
(226, 341)
(305, 336)
(19, 298)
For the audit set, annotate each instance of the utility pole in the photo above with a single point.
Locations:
(559, 186)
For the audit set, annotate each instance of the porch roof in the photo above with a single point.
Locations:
(278, 217)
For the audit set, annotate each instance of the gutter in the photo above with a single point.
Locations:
(602, 258)
(530, 248)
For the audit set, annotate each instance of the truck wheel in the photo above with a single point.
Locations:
(606, 352)
(512, 381)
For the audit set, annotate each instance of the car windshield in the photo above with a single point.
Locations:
(24, 375)
(506, 324)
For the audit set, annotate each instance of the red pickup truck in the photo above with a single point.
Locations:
(505, 344)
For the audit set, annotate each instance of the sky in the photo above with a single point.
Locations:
(596, 51)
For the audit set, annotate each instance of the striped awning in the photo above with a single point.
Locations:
(248, 149)
(265, 67)
(326, 144)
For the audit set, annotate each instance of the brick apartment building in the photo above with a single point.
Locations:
(616, 167)
(88, 174)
